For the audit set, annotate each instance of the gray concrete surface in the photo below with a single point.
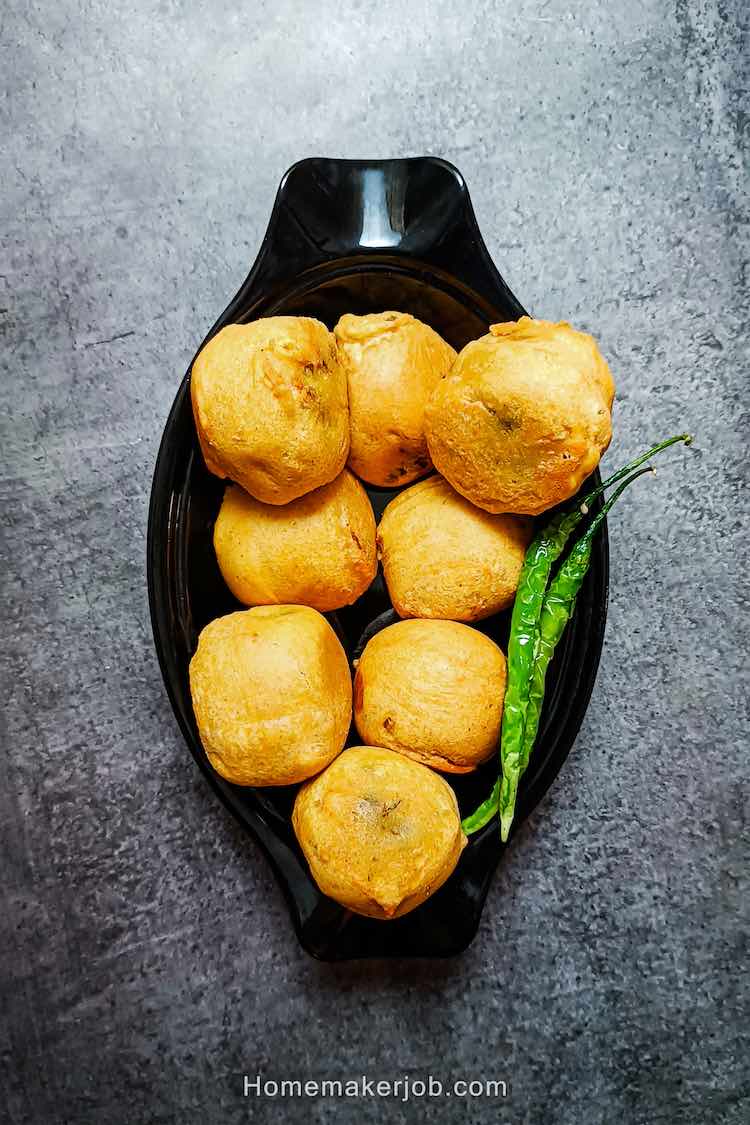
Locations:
(145, 953)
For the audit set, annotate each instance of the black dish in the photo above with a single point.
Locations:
(357, 236)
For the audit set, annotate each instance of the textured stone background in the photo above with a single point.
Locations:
(145, 953)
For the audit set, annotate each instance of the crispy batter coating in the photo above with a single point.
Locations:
(270, 406)
(318, 550)
(523, 417)
(393, 363)
(380, 833)
(432, 690)
(272, 694)
(444, 557)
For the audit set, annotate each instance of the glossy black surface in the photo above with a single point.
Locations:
(357, 236)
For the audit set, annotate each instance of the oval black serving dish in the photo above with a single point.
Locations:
(357, 236)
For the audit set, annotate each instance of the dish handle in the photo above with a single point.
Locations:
(415, 209)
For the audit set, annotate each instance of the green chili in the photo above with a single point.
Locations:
(545, 549)
(556, 612)
(539, 669)
(526, 611)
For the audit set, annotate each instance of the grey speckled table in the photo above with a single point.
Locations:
(146, 958)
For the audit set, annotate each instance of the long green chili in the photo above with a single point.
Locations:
(545, 549)
(556, 612)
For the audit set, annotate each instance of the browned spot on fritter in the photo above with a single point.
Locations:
(397, 473)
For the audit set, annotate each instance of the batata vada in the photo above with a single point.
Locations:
(270, 406)
(432, 690)
(380, 833)
(444, 557)
(272, 694)
(318, 550)
(393, 363)
(523, 417)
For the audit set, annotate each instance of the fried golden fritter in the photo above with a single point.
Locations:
(444, 557)
(523, 417)
(318, 550)
(381, 833)
(393, 363)
(432, 690)
(270, 406)
(272, 694)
